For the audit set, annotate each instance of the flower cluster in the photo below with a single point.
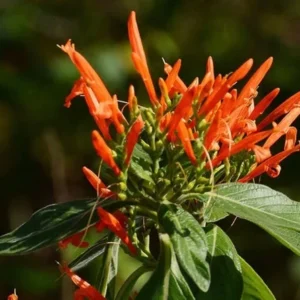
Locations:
(192, 136)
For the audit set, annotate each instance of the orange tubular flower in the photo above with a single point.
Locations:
(112, 223)
(271, 165)
(87, 72)
(183, 135)
(85, 291)
(179, 85)
(245, 144)
(264, 104)
(290, 138)
(76, 240)
(282, 109)
(210, 111)
(254, 81)
(182, 109)
(104, 151)
(132, 138)
(100, 103)
(96, 183)
(13, 296)
(214, 98)
(131, 98)
(283, 127)
(77, 90)
(213, 133)
(139, 58)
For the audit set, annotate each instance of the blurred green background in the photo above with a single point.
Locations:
(43, 145)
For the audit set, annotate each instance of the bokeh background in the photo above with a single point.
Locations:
(44, 145)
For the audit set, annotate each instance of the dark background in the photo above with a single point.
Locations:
(43, 145)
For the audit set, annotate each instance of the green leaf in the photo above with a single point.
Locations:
(53, 223)
(157, 287)
(178, 288)
(89, 255)
(189, 196)
(213, 213)
(269, 209)
(140, 172)
(254, 287)
(226, 272)
(141, 156)
(126, 288)
(189, 242)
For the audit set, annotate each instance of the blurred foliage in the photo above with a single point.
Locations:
(43, 145)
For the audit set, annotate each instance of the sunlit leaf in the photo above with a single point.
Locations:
(269, 209)
(226, 272)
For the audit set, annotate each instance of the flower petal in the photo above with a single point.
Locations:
(268, 164)
(85, 289)
(104, 151)
(132, 138)
(116, 227)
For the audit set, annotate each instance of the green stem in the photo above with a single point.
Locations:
(107, 264)
(126, 289)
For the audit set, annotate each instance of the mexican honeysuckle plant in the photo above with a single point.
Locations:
(168, 172)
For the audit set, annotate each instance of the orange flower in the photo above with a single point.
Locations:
(96, 183)
(104, 152)
(112, 223)
(264, 104)
(245, 144)
(283, 127)
(271, 165)
(100, 103)
(290, 138)
(210, 110)
(87, 72)
(13, 296)
(132, 138)
(216, 96)
(77, 90)
(167, 85)
(282, 109)
(183, 135)
(85, 289)
(76, 240)
(131, 98)
(179, 85)
(139, 58)
(182, 109)
(173, 75)
(251, 86)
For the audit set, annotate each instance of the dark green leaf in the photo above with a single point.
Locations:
(157, 287)
(254, 287)
(53, 223)
(226, 272)
(189, 242)
(47, 226)
(89, 255)
(271, 210)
